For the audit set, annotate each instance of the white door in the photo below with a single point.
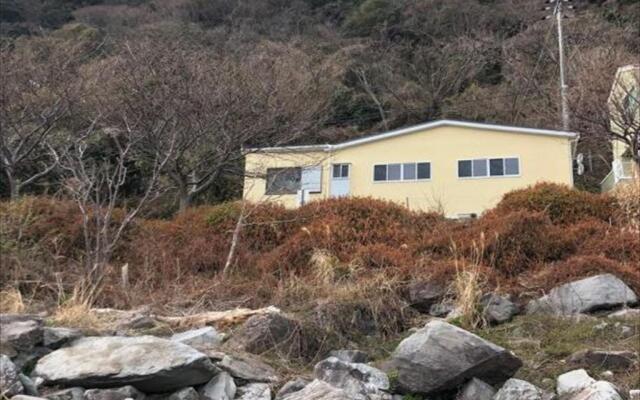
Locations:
(340, 180)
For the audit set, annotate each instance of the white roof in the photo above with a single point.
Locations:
(419, 128)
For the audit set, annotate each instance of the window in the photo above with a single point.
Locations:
(283, 180)
(340, 171)
(483, 167)
(402, 172)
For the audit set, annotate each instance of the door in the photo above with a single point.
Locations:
(340, 180)
(310, 182)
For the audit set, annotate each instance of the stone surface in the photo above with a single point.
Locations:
(262, 332)
(351, 356)
(221, 387)
(498, 309)
(123, 393)
(29, 385)
(441, 310)
(206, 337)
(54, 338)
(22, 335)
(248, 368)
(476, 389)
(360, 381)
(516, 389)
(423, 294)
(75, 393)
(318, 390)
(10, 384)
(188, 393)
(150, 364)
(292, 386)
(604, 359)
(26, 360)
(441, 357)
(591, 294)
(573, 382)
(627, 314)
(25, 397)
(634, 394)
(254, 391)
(600, 390)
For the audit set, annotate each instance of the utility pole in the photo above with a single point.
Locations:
(557, 12)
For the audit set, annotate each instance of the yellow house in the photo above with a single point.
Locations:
(457, 168)
(624, 111)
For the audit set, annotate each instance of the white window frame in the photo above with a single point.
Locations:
(402, 180)
(341, 178)
(489, 176)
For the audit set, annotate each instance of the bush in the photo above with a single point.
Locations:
(563, 204)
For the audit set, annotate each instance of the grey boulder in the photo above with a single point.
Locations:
(573, 381)
(423, 294)
(10, 384)
(318, 390)
(221, 387)
(600, 390)
(148, 363)
(440, 357)
(476, 389)
(351, 356)
(516, 389)
(290, 387)
(123, 393)
(586, 295)
(262, 332)
(360, 381)
(187, 393)
(75, 393)
(248, 368)
(254, 391)
(54, 338)
(206, 338)
(498, 309)
(22, 335)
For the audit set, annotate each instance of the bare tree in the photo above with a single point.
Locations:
(220, 102)
(38, 86)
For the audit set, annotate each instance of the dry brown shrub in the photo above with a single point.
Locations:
(551, 275)
(628, 201)
(563, 204)
(11, 301)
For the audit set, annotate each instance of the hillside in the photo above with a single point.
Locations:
(315, 71)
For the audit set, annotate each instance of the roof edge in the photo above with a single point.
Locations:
(417, 128)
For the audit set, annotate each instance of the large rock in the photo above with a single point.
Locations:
(600, 390)
(516, 389)
(54, 338)
(203, 338)
(10, 384)
(291, 387)
(441, 357)
(351, 356)
(148, 363)
(254, 391)
(476, 389)
(318, 390)
(360, 381)
(123, 393)
(21, 335)
(423, 294)
(248, 368)
(586, 295)
(262, 332)
(573, 381)
(627, 314)
(221, 387)
(498, 309)
(604, 359)
(76, 393)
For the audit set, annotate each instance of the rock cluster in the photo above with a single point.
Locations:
(436, 361)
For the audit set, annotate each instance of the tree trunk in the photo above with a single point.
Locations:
(185, 201)
(14, 188)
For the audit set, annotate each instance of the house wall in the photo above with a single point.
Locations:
(542, 158)
(627, 81)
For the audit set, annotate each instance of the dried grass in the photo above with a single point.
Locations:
(11, 301)
(469, 284)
